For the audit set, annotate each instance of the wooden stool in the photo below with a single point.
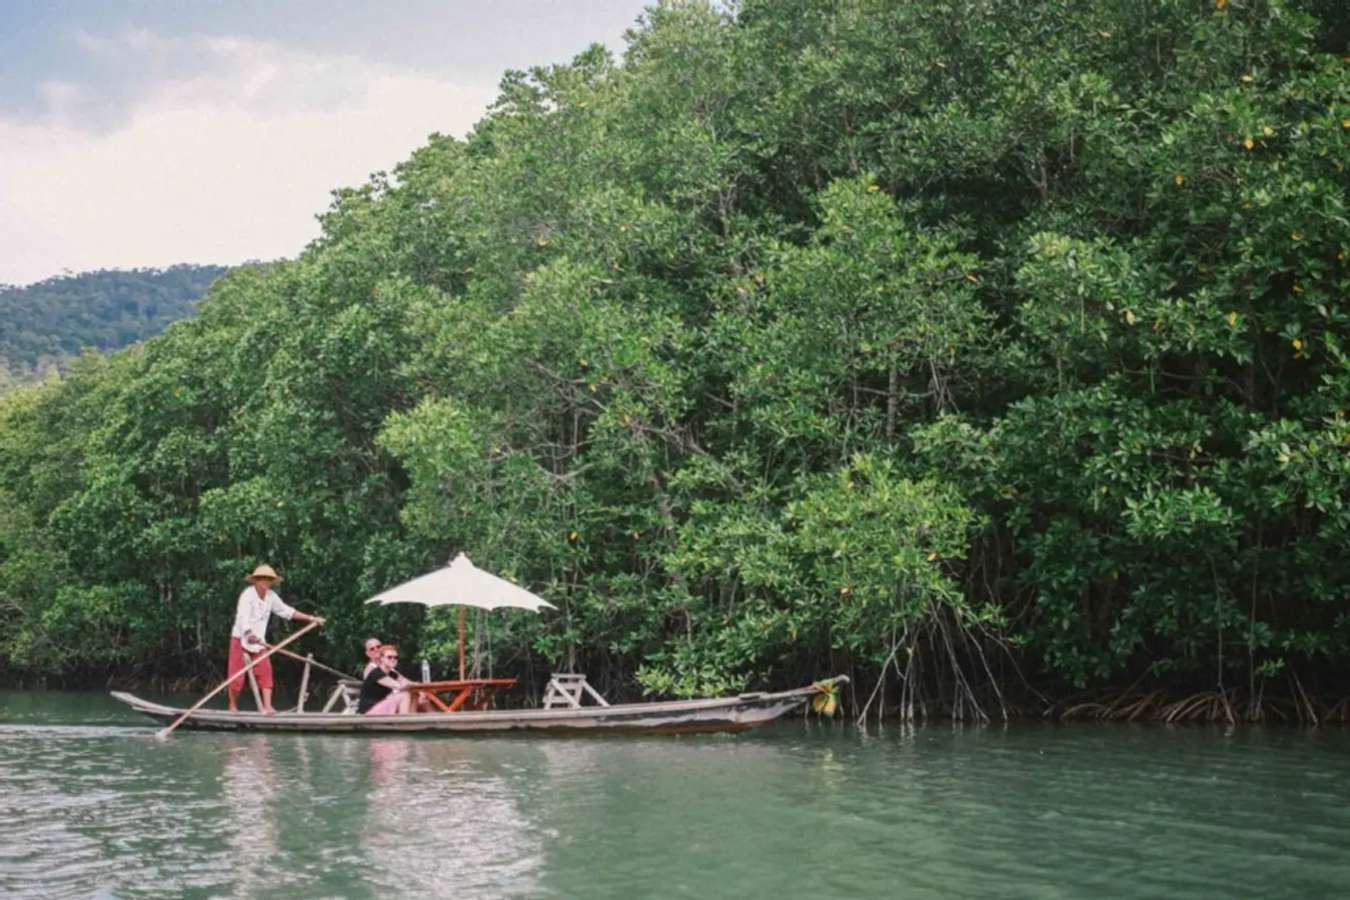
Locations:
(567, 688)
(348, 690)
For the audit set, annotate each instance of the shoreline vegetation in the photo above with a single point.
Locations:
(1280, 705)
(995, 355)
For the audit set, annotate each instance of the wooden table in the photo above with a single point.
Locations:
(471, 693)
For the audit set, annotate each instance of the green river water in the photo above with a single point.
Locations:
(92, 805)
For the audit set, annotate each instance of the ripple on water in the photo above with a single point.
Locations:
(798, 810)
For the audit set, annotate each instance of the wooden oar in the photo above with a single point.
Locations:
(248, 668)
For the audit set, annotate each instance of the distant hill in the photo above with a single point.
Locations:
(43, 325)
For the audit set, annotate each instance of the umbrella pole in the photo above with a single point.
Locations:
(461, 643)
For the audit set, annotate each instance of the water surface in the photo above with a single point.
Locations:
(92, 805)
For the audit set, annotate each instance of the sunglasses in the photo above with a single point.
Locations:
(391, 657)
(372, 647)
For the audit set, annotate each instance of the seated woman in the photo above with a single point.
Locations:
(384, 691)
(373, 645)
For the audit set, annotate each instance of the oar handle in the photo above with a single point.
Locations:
(247, 668)
(318, 665)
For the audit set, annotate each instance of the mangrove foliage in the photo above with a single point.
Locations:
(986, 351)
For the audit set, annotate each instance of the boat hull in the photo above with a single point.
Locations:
(739, 713)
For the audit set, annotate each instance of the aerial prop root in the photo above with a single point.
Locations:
(943, 657)
(1227, 706)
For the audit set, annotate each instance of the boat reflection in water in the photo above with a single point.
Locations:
(444, 818)
(249, 786)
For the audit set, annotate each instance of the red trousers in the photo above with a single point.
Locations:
(238, 659)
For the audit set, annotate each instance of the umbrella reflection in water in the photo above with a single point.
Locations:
(445, 820)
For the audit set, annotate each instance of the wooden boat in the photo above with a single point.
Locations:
(738, 713)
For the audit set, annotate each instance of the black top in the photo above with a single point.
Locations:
(372, 691)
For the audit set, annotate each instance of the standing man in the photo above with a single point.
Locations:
(249, 636)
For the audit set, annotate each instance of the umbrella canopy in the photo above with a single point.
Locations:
(462, 584)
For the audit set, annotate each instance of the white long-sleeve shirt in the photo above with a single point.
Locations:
(253, 612)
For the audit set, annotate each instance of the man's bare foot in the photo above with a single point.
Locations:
(269, 711)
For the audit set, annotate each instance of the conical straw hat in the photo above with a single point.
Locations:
(263, 571)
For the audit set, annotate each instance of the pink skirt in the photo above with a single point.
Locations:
(386, 707)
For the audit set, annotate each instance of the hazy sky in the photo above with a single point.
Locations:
(151, 132)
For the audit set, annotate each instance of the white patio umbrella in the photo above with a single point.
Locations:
(462, 584)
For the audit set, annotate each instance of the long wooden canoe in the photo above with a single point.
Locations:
(672, 717)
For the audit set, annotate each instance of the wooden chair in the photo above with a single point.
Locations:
(567, 689)
(348, 691)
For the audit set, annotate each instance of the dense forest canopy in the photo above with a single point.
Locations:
(977, 347)
(45, 325)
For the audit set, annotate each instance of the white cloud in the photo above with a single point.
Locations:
(228, 162)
